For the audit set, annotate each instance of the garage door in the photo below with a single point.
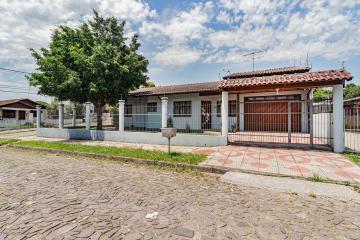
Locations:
(272, 115)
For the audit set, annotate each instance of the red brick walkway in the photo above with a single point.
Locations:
(294, 162)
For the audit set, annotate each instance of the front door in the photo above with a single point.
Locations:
(206, 115)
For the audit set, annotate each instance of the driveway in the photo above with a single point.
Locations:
(45, 196)
(293, 162)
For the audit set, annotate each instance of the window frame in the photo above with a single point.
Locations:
(230, 112)
(180, 113)
(128, 110)
(151, 107)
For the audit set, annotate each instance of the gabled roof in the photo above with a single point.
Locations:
(277, 77)
(309, 78)
(173, 89)
(24, 101)
(268, 72)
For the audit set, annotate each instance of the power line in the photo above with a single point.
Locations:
(18, 92)
(13, 70)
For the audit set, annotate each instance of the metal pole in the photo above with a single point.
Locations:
(169, 145)
(289, 122)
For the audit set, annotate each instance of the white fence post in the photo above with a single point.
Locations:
(224, 114)
(87, 115)
(338, 118)
(74, 117)
(121, 115)
(38, 116)
(61, 116)
(164, 104)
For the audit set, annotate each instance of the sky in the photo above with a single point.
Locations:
(192, 41)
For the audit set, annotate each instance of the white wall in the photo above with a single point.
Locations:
(132, 137)
(153, 120)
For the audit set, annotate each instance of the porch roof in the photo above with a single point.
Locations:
(176, 89)
(18, 103)
(304, 79)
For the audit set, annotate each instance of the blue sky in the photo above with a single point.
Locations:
(193, 41)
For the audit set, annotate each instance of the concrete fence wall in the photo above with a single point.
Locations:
(132, 137)
(5, 123)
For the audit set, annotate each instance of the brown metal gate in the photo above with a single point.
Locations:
(283, 122)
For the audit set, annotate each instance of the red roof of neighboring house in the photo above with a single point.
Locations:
(24, 101)
(268, 72)
(315, 78)
(183, 88)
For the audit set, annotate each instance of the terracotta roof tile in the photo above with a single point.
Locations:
(10, 101)
(306, 77)
(183, 88)
(268, 72)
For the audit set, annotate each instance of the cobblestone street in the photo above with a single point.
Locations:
(45, 196)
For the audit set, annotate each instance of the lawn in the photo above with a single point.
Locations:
(4, 141)
(188, 158)
(353, 157)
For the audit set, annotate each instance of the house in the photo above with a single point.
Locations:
(17, 109)
(267, 106)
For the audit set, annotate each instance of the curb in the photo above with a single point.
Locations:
(208, 169)
(184, 166)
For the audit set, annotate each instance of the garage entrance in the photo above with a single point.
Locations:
(283, 120)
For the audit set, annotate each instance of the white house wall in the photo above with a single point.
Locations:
(141, 118)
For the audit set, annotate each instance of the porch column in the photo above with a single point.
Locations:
(242, 112)
(38, 116)
(87, 115)
(121, 115)
(17, 114)
(338, 118)
(224, 113)
(74, 116)
(164, 113)
(61, 116)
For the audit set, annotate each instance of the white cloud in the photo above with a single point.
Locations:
(177, 56)
(184, 26)
(28, 24)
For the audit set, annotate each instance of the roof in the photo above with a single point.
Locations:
(268, 72)
(183, 88)
(306, 78)
(25, 101)
(281, 77)
(354, 99)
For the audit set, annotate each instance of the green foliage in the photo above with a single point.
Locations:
(322, 94)
(169, 122)
(316, 177)
(149, 84)
(353, 157)
(93, 62)
(189, 158)
(351, 90)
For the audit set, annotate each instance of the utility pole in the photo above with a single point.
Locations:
(252, 54)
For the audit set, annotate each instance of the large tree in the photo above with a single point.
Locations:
(94, 62)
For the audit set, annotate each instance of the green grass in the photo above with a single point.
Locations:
(353, 157)
(316, 177)
(188, 158)
(4, 141)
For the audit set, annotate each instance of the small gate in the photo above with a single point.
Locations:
(283, 122)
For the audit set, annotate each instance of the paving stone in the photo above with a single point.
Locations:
(184, 232)
(133, 236)
(98, 199)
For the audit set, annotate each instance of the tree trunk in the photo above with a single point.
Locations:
(99, 111)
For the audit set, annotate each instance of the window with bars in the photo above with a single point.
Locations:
(182, 109)
(232, 107)
(151, 107)
(128, 110)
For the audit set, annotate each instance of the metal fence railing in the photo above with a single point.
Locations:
(352, 127)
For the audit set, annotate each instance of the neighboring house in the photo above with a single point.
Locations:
(17, 109)
(258, 101)
(15, 112)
